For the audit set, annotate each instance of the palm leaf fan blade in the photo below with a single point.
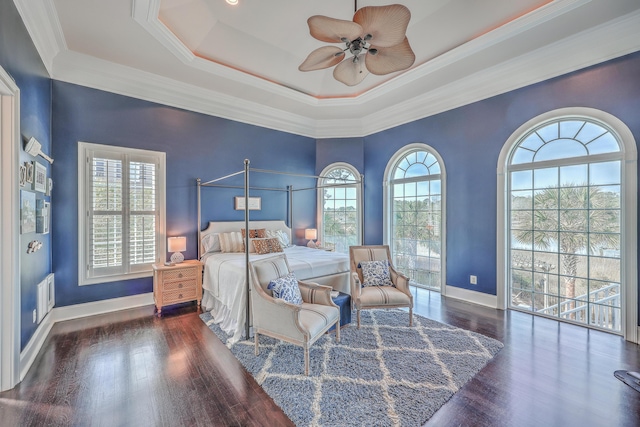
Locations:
(333, 30)
(391, 59)
(386, 24)
(351, 72)
(324, 57)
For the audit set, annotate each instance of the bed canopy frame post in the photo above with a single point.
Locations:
(361, 209)
(198, 184)
(290, 206)
(246, 245)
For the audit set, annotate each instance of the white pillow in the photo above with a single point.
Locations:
(211, 243)
(281, 235)
(231, 242)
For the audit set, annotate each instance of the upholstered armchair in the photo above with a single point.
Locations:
(297, 324)
(367, 297)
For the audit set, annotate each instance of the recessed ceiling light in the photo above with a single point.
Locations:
(232, 2)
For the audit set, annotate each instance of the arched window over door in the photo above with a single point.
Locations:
(339, 196)
(569, 184)
(414, 214)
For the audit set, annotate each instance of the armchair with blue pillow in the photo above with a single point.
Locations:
(285, 308)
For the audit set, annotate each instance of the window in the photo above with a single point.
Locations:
(340, 223)
(566, 214)
(122, 210)
(415, 206)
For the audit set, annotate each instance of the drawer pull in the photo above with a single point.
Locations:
(180, 296)
(180, 286)
(180, 275)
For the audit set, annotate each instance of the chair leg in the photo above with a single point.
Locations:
(338, 331)
(410, 316)
(358, 318)
(257, 349)
(306, 361)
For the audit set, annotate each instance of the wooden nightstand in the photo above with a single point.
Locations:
(177, 283)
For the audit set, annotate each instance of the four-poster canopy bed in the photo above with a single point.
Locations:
(226, 290)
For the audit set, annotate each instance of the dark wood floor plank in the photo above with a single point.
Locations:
(133, 368)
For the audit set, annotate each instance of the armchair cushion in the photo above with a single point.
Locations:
(314, 318)
(286, 288)
(380, 296)
(376, 273)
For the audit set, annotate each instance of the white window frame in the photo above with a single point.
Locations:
(86, 151)
(629, 270)
(387, 205)
(358, 186)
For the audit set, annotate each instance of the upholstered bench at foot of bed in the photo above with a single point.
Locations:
(343, 301)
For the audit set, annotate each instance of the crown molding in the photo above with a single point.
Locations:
(41, 19)
(84, 70)
(614, 39)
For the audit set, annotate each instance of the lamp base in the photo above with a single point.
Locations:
(177, 258)
(312, 244)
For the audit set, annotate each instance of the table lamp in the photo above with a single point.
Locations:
(311, 234)
(177, 245)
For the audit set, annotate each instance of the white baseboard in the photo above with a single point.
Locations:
(77, 311)
(28, 355)
(473, 297)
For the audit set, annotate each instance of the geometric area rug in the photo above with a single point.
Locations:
(384, 374)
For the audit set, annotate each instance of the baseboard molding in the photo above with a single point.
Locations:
(28, 355)
(77, 311)
(472, 297)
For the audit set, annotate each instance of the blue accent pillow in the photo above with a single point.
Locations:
(286, 288)
(376, 273)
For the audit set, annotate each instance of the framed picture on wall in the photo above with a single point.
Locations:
(27, 212)
(23, 175)
(28, 177)
(40, 177)
(255, 203)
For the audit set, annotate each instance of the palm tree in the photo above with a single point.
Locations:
(586, 217)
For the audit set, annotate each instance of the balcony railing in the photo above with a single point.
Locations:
(597, 308)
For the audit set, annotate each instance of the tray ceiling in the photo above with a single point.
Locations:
(241, 62)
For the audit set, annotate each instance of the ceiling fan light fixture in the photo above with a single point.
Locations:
(232, 2)
(376, 31)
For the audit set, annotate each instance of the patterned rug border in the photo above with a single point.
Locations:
(397, 392)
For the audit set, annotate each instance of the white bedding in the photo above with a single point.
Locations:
(224, 281)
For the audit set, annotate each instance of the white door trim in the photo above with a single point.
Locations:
(9, 232)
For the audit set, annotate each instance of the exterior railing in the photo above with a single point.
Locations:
(598, 308)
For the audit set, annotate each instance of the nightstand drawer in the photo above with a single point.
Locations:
(180, 284)
(178, 295)
(182, 273)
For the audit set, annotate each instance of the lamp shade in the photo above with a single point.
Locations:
(177, 244)
(310, 233)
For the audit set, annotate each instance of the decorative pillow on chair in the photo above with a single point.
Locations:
(286, 288)
(376, 273)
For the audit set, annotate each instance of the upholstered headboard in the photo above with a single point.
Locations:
(228, 226)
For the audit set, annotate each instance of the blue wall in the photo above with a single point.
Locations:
(470, 138)
(196, 146)
(20, 59)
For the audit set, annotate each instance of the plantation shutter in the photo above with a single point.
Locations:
(122, 212)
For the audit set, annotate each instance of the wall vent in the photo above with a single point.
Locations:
(46, 297)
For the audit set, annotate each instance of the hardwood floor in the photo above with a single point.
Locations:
(133, 369)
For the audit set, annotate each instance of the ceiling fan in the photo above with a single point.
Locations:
(376, 38)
